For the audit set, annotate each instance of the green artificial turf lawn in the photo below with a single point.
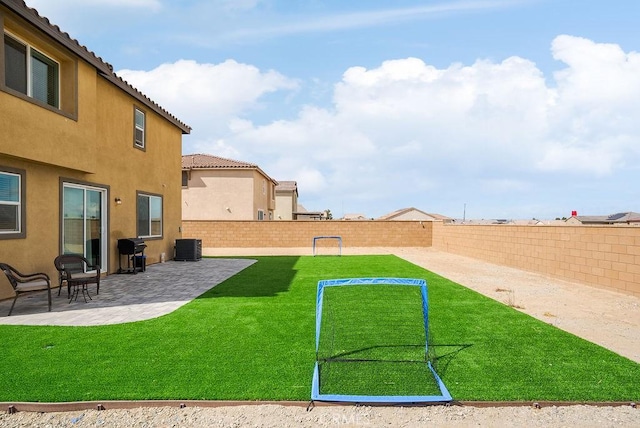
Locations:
(253, 338)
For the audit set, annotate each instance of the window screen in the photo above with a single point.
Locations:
(44, 83)
(149, 216)
(10, 204)
(15, 60)
(139, 128)
(37, 78)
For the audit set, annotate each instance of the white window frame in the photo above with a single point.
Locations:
(140, 232)
(260, 215)
(139, 143)
(29, 71)
(18, 232)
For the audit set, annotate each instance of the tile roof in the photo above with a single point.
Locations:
(31, 15)
(404, 211)
(204, 161)
(399, 212)
(624, 217)
(287, 186)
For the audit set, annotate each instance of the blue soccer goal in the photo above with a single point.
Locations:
(372, 343)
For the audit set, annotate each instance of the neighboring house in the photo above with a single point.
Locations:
(625, 218)
(355, 217)
(303, 214)
(85, 158)
(286, 200)
(215, 188)
(532, 222)
(414, 214)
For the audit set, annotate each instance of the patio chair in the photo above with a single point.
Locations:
(26, 283)
(77, 272)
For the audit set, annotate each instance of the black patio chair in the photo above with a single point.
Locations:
(78, 273)
(26, 283)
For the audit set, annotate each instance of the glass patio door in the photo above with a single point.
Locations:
(83, 226)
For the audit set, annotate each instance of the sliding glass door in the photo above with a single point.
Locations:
(84, 222)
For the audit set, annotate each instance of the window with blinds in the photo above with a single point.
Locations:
(31, 72)
(149, 216)
(10, 203)
(139, 128)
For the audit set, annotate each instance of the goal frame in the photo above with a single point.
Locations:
(444, 396)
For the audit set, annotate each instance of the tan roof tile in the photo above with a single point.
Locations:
(204, 161)
(287, 186)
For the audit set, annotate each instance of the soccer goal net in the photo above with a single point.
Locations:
(372, 342)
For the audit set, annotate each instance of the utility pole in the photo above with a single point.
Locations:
(464, 213)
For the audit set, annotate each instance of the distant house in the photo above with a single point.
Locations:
(532, 222)
(414, 214)
(286, 200)
(355, 217)
(303, 214)
(624, 218)
(216, 188)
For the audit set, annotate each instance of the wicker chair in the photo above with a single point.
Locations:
(77, 272)
(26, 283)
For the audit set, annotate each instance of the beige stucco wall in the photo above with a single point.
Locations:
(93, 147)
(218, 194)
(127, 170)
(226, 194)
(284, 206)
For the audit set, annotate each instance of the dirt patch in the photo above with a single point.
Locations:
(609, 319)
(333, 416)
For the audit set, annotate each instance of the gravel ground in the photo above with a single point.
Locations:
(333, 416)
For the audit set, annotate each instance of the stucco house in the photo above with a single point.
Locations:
(303, 214)
(216, 188)
(412, 213)
(85, 158)
(355, 216)
(286, 200)
(629, 218)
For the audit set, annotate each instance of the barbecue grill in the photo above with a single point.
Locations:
(133, 249)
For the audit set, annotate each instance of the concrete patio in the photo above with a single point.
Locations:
(161, 289)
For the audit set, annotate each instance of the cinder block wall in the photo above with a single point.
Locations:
(606, 257)
(257, 234)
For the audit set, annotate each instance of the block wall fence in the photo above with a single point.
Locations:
(605, 257)
(282, 233)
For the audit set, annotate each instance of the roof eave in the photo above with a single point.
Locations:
(105, 69)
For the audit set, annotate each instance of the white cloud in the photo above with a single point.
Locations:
(205, 94)
(407, 129)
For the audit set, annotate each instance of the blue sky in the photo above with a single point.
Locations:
(506, 109)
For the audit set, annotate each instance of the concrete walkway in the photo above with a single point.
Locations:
(161, 289)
